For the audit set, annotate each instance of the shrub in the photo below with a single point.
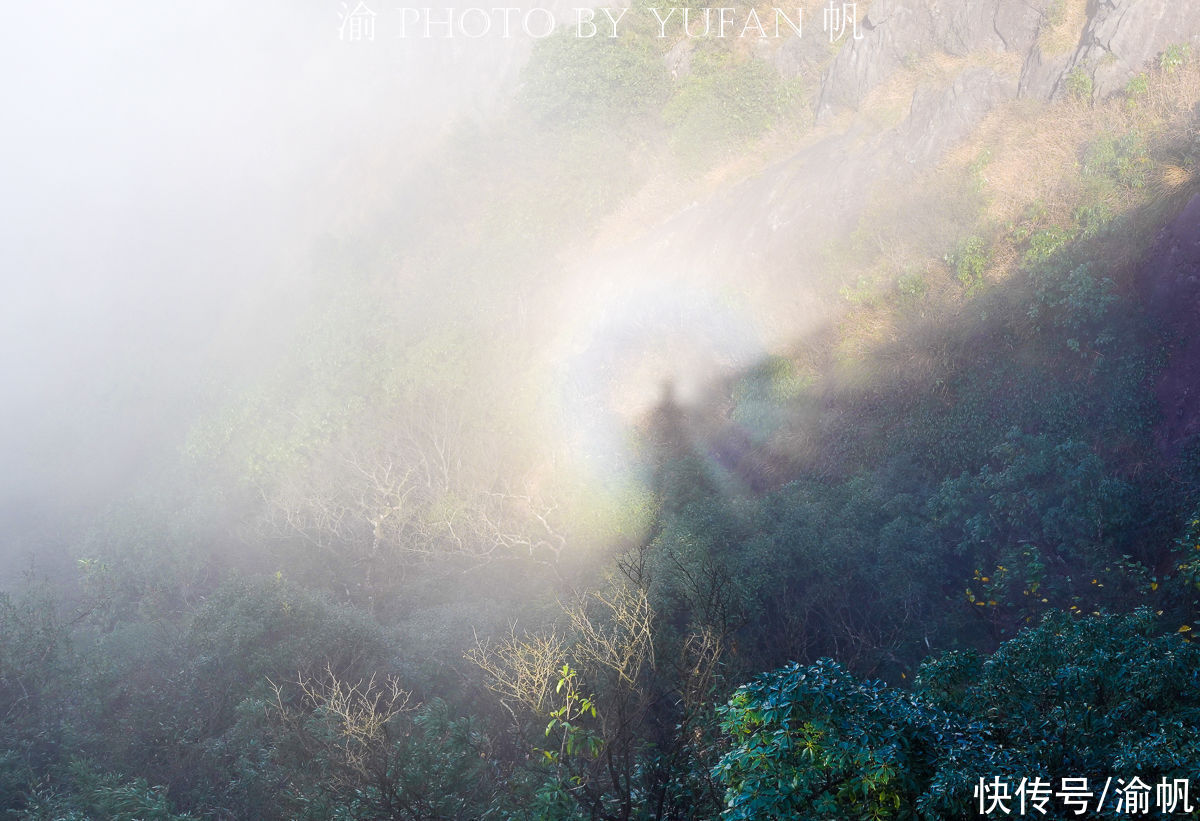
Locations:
(1175, 57)
(1086, 696)
(912, 287)
(35, 664)
(969, 261)
(1079, 84)
(576, 81)
(723, 104)
(814, 742)
(1045, 243)
(88, 793)
(258, 628)
(1124, 159)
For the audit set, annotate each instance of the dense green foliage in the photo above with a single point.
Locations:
(35, 659)
(1086, 698)
(371, 590)
(724, 104)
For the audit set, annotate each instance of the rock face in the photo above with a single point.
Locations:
(897, 31)
(940, 118)
(1119, 39)
(1171, 282)
(800, 56)
(1122, 37)
(1042, 76)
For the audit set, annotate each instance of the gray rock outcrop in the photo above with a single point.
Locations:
(1119, 39)
(1123, 38)
(942, 117)
(895, 32)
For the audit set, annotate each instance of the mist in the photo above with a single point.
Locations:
(169, 172)
(563, 412)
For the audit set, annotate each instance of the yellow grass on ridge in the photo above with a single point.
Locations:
(1063, 28)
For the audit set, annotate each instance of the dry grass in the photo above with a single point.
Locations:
(1034, 152)
(890, 101)
(1020, 168)
(1024, 160)
(1035, 147)
(1171, 178)
(662, 194)
(862, 334)
(1063, 28)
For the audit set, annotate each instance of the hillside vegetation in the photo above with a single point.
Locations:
(942, 526)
